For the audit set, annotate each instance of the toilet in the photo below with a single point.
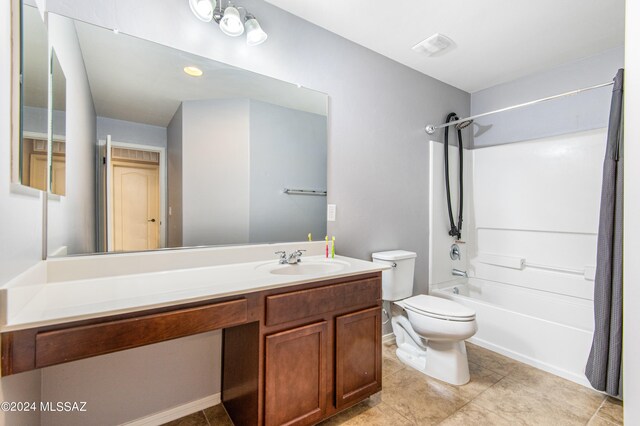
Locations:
(429, 331)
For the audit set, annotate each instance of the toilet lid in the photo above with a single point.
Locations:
(439, 307)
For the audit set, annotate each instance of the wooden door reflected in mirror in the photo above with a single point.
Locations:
(135, 206)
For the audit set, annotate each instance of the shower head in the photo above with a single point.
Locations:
(464, 124)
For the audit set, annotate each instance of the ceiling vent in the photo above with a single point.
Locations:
(434, 45)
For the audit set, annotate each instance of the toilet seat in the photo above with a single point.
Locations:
(439, 308)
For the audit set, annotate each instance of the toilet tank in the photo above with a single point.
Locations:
(397, 282)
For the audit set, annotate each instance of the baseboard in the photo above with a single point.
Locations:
(390, 337)
(176, 412)
(579, 379)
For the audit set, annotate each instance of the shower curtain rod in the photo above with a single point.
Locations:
(430, 129)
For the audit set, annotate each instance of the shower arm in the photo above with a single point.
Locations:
(430, 129)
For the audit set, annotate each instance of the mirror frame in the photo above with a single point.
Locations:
(16, 88)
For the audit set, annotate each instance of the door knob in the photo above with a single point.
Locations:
(151, 220)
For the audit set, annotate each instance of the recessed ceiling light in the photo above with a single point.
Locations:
(193, 71)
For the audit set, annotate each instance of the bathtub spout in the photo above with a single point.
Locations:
(459, 273)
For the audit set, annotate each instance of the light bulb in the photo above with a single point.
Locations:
(203, 9)
(231, 24)
(193, 71)
(255, 34)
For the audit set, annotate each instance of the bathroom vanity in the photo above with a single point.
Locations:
(297, 347)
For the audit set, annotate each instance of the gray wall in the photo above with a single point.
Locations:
(132, 384)
(174, 180)
(130, 132)
(34, 119)
(288, 150)
(215, 172)
(585, 111)
(377, 161)
(228, 163)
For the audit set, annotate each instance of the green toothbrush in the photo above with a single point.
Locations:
(333, 247)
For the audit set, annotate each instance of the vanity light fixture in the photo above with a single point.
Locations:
(255, 33)
(230, 24)
(203, 9)
(233, 20)
(193, 71)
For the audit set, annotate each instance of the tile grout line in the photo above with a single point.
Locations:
(499, 414)
(398, 413)
(473, 399)
(206, 418)
(389, 406)
(455, 412)
(597, 409)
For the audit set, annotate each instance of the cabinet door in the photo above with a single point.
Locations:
(296, 375)
(358, 355)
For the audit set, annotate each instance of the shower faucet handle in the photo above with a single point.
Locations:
(454, 252)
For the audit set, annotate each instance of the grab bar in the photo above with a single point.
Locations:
(304, 192)
(589, 272)
(520, 263)
(554, 268)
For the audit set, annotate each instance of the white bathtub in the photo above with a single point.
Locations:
(547, 330)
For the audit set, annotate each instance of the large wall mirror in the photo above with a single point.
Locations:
(40, 151)
(30, 158)
(165, 149)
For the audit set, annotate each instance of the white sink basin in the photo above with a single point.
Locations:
(305, 267)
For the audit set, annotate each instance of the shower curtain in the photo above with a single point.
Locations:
(604, 363)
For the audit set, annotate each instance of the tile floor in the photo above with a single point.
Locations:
(501, 392)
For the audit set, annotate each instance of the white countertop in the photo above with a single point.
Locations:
(66, 301)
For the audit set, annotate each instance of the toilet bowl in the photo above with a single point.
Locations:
(429, 331)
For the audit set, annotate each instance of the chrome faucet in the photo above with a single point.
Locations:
(459, 273)
(291, 259)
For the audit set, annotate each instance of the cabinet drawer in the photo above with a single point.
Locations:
(305, 303)
(58, 346)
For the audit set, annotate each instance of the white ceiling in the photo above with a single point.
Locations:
(140, 81)
(495, 40)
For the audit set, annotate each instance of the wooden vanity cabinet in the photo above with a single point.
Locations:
(320, 353)
(290, 356)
